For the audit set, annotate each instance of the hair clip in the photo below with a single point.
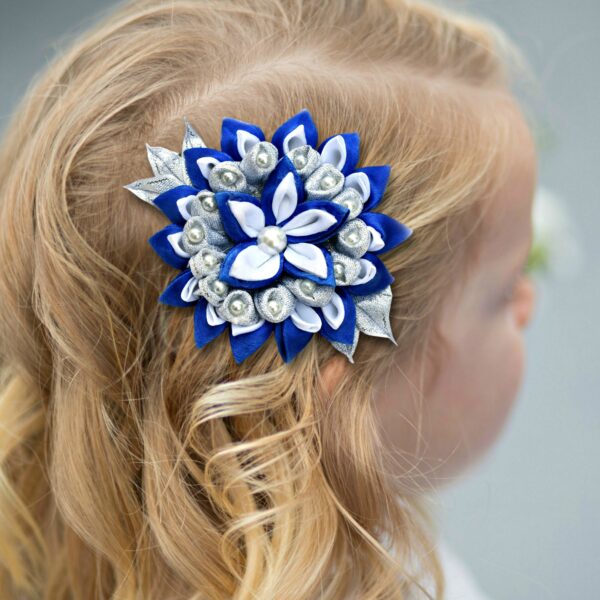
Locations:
(274, 237)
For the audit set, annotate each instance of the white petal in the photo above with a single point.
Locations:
(245, 141)
(306, 318)
(239, 329)
(294, 138)
(206, 163)
(212, 318)
(182, 206)
(285, 198)
(334, 152)
(334, 311)
(377, 242)
(250, 217)
(360, 182)
(367, 271)
(252, 264)
(307, 257)
(309, 222)
(175, 240)
(187, 293)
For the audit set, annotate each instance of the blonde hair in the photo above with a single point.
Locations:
(135, 466)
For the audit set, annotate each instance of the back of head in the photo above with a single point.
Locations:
(135, 465)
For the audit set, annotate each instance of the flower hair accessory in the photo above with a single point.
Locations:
(274, 237)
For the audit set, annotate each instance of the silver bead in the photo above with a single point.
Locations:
(195, 235)
(263, 159)
(219, 287)
(328, 182)
(237, 307)
(300, 161)
(272, 239)
(308, 286)
(229, 177)
(207, 199)
(339, 271)
(274, 307)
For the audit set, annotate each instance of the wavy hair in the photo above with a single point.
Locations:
(135, 466)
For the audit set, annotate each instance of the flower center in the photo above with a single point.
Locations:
(272, 239)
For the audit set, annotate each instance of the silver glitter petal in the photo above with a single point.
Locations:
(220, 170)
(348, 349)
(320, 297)
(279, 294)
(211, 217)
(359, 230)
(350, 265)
(191, 139)
(254, 172)
(373, 314)
(307, 156)
(352, 200)
(249, 314)
(201, 265)
(166, 162)
(206, 290)
(314, 184)
(210, 238)
(149, 189)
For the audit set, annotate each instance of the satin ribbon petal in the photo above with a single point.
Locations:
(204, 331)
(308, 258)
(238, 137)
(341, 151)
(247, 266)
(174, 202)
(297, 131)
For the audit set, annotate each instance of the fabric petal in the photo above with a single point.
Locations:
(392, 232)
(360, 182)
(281, 192)
(174, 202)
(339, 318)
(246, 343)
(378, 180)
(238, 137)
(300, 130)
(179, 292)
(315, 221)
(341, 151)
(204, 332)
(290, 340)
(199, 162)
(234, 206)
(247, 266)
(166, 244)
(381, 279)
(309, 262)
(305, 317)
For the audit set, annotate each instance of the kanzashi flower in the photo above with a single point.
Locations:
(274, 237)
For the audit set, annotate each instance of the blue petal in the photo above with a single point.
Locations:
(203, 332)
(296, 272)
(242, 283)
(284, 166)
(378, 178)
(382, 279)
(230, 223)
(172, 293)
(352, 141)
(393, 232)
(229, 141)
(164, 249)
(290, 339)
(246, 344)
(191, 156)
(336, 210)
(167, 202)
(344, 334)
(303, 118)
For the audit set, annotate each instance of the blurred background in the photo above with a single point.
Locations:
(525, 520)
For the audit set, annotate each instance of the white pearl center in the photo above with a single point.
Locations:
(272, 239)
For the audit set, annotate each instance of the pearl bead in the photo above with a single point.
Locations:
(274, 307)
(351, 204)
(339, 271)
(308, 287)
(210, 260)
(272, 239)
(300, 161)
(195, 234)
(328, 182)
(219, 287)
(209, 203)
(263, 159)
(352, 238)
(237, 306)
(229, 177)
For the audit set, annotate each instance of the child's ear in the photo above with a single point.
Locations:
(332, 373)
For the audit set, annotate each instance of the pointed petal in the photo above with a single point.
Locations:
(308, 259)
(341, 151)
(199, 162)
(378, 180)
(305, 317)
(241, 215)
(180, 290)
(247, 266)
(245, 341)
(149, 189)
(290, 340)
(191, 138)
(390, 232)
(281, 192)
(166, 244)
(300, 130)
(174, 203)
(381, 279)
(238, 137)
(339, 318)
(204, 331)
(165, 162)
(360, 182)
(315, 221)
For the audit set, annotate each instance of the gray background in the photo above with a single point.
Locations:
(526, 518)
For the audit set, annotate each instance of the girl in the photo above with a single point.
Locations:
(136, 465)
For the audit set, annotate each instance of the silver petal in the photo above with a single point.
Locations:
(314, 187)
(205, 289)
(211, 217)
(211, 237)
(320, 297)
(216, 182)
(191, 139)
(279, 294)
(254, 172)
(309, 157)
(347, 349)
(149, 189)
(198, 262)
(373, 314)
(249, 315)
(350, 265)
(362, 238)
(166, 162)
(350, 198)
